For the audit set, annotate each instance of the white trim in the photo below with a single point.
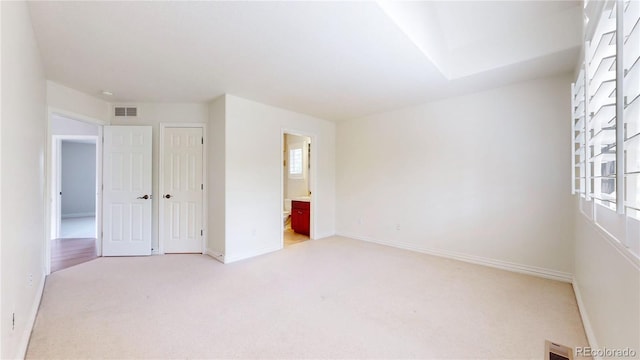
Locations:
(312, 179)
(31, 321)
(572, 142)
(214, 254)
(75, 116)
(323, 236)
(586, 324)
(229, 259)
(205, 209)
(56, 186)
(77, 215)
(99, 190)
(499, 264)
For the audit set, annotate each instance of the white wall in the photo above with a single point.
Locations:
(2, 288)
(608, 286)
(253, 175)
(482, 177)
(216, 178)
(153, 114)
(78, 179)
(77, 104)
(24, 125)
(63, 126)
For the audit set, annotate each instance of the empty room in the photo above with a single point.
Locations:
(310, 179)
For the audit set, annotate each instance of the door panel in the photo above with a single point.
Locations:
(181, 226)
(126, 180)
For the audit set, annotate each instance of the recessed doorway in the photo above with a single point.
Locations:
(74, 189)
(296, 188)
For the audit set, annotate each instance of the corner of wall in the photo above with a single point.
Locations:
(586, 323)
(216, 177)
(607, 288)
(216, 255)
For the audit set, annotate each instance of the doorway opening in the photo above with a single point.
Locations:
(75, 164)
(296, 188)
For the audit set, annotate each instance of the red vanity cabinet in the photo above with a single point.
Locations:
(300, 215)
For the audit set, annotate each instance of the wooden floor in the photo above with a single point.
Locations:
(69, 252)
(291, 237)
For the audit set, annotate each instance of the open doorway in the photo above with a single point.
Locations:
(77, 188)
(74, 188)
(296, 191)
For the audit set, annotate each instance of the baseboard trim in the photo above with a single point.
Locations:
(214, 254)
(586, 324)
(322, 236)
(479, 260)
(31, 321)
(229, 259)
(77, 215)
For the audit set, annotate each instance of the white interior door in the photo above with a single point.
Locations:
(181, 190)
(127, 191)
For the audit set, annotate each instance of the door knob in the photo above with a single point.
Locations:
(168, 196)
(144, 197)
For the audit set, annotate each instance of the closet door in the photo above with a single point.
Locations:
(127, 195)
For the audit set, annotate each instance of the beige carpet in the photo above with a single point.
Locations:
(330, 298)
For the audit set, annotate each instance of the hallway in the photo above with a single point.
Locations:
(76, 245)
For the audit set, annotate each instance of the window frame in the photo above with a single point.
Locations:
(620, 223)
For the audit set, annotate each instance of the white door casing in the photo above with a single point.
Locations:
(127, 181)
(182, 183)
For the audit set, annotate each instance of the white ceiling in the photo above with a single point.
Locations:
(334, 60)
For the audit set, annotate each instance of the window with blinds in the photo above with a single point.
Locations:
(601, 99)
(579, 135)
(606, 121)
(631, 112)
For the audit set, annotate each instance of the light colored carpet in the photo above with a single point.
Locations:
(330, 298)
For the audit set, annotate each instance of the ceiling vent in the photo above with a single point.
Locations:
(125, 111)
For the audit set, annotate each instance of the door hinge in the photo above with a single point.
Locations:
(202, 140)
(201, 186)
(201, 232)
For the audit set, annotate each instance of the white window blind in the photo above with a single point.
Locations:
(606, 137)
(601, 100)
(631, 115)
(579, 135)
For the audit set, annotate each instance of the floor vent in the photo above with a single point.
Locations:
(555, 351)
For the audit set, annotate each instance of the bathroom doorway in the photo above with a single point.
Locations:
(296, 191)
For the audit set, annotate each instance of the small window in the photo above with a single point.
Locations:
(295, 161)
